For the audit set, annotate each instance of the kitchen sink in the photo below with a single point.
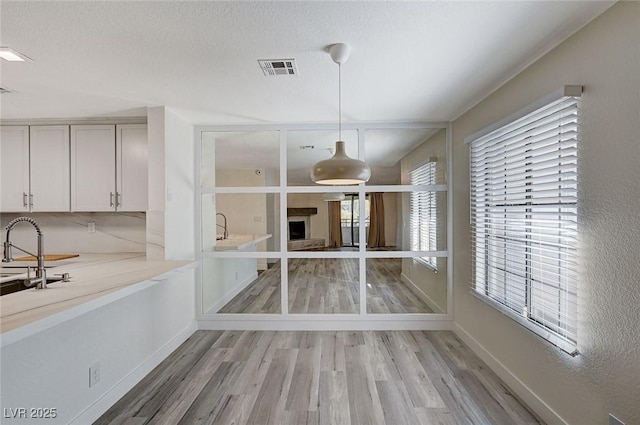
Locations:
(17, 284)
(11, 270)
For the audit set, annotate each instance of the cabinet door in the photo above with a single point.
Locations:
(49, 168)
(132, 166)
(93, 168)
(14, 175)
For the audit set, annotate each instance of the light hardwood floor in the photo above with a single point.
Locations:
(387, 292)
(330, 286)
(320, 378)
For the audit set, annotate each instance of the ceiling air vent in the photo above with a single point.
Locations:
(273, 67)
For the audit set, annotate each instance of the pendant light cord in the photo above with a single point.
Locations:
(339, 101)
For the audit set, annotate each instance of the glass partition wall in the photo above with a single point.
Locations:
(276, 248)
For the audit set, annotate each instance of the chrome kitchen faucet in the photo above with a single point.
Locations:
(225, 235)
(41, 278)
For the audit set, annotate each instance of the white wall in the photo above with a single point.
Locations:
(157, 187)
(429, 284)
(170, 217)
(605, 377)
(180, 189)
(434, 149)
(224, 278)
(246, 212)
(240, 177)
(128, 335)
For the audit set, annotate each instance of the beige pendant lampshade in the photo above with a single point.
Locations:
(340, 169)
(334, 196)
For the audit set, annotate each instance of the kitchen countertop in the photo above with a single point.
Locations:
(92, 276)
(239, 242)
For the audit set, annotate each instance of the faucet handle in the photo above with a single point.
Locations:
(65, 276)
(7, 256)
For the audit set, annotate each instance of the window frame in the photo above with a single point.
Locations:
(485, 257)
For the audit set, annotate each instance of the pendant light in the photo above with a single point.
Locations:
(334, 196)
(340, 169)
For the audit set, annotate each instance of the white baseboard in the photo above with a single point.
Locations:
(108, 399)
(364, 323)
(421, 294)
(232, 293)
(531, 399)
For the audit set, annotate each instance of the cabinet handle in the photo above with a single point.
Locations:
(31, 200)
(110, 199)
(118, 196)
(24, 200)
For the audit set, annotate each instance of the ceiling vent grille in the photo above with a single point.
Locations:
(275, 67)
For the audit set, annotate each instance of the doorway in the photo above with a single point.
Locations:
(350, 219)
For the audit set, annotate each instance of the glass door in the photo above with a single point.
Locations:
(350, 219)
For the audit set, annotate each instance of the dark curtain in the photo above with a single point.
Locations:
(376, 221)
(335, 230)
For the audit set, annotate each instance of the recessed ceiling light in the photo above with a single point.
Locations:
(8, 54)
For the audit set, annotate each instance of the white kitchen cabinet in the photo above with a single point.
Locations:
(49, 168)
(109, 167)
(93, 168)
(14, 160)
(132, 167)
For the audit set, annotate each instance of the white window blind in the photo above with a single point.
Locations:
(423, 213)
(524, 193)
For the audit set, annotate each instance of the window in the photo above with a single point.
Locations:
(350, 219)
(423, 214)
(524, 191)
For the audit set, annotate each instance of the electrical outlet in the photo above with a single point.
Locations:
(614, 421)
(94, 374)
(91, 227)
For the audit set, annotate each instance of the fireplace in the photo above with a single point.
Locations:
(299, 231)
(299, 228)
(300, 223)
(296, 230)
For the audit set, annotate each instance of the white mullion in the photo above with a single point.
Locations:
(402, 254)
(242, 254)
(362, 230)
(199, 301)
(284, 224)
(409, 188)
(246, 189)
(449, 165)
(323, 254)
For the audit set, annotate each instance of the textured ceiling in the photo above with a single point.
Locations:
(418, 61)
